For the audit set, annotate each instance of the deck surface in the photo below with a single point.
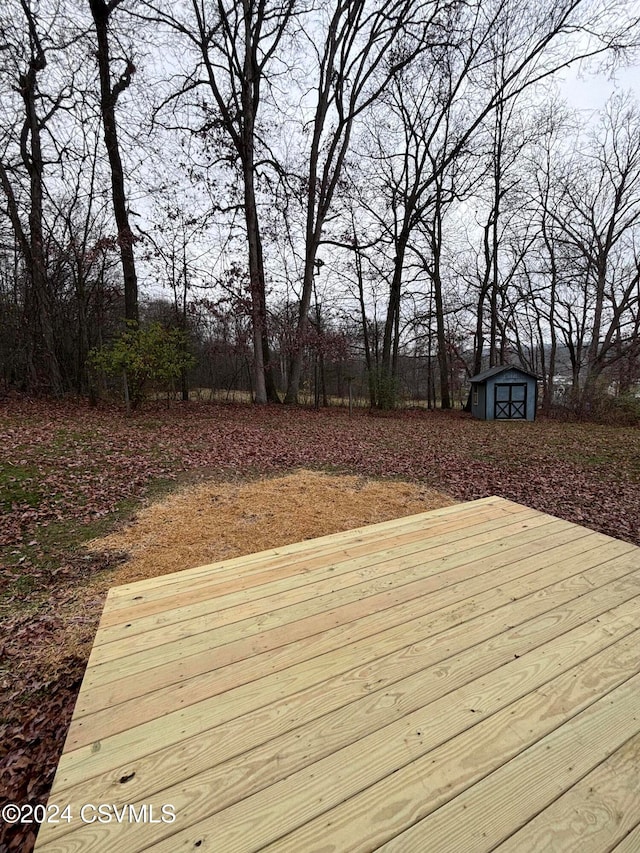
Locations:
(467, 679)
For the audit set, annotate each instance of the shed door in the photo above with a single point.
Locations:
(511, 401)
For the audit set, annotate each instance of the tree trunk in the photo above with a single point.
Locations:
(484, 287)
(547, 399)
(43, 342)
(386, 377)
(295, 372)
(365, 330)
(257, 287)
(436, 247)
(267, 362)
(108, 99)
(594, 367)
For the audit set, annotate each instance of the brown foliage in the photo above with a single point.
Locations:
(76, 464)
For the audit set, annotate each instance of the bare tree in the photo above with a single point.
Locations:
(493, 53)
(597, 220)
(541, 270)
(177, 254)
(25, 53)
(110, 91)
(364, 45)
(81, 254)
(233, 46)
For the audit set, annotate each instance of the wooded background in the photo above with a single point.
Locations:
(318, 195)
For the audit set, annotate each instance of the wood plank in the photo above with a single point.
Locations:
(329, 610)
(593, 816)
(378, 651)
(236, 724)
(99, 693)
(406, 740)
(275, 635)
(211, 595)
(346, 585)
(420, 789)
(259, 819)
(531, 781)
(370, 532)
(482, 596)
(629, 844)
(475, 644)
(247, 575)
(375, 689)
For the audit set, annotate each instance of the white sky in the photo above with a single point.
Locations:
(591, 91)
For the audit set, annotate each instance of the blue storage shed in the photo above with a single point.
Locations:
(504, 393)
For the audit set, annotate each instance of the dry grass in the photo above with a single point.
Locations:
(215, 521)
(202, 524)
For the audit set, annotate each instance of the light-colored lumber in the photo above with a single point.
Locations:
(330, 543)
(594, 815)
(483, 643)
(464, 679)
(380, 813)
(273, 719)
(242, 606)
(530, 781)
(320, 613)
(322, 668)
(376, 652)
(272, 636)
(308, 581)
(99, 692)
(630, 843)
(417, 732)
(257, 820)
(218, 577)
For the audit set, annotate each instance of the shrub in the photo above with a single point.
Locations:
(624, 409)
(141, 355)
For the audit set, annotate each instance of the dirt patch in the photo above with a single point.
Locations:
(215, 521)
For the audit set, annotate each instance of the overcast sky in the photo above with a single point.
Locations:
(591, 91)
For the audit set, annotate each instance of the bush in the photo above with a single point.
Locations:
(141, 355)
(617, 411)
(624, 409)
(386, 389)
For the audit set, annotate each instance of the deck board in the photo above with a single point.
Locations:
(465, 679)
(630, 843)
(598, 809)
(100, 693)
(318, 576)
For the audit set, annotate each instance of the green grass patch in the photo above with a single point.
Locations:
(56, 552)
(19, 486)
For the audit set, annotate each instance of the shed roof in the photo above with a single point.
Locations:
(500, 368)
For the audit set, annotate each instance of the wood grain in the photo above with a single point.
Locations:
(594, 815)
(465, 679)
(99, 692)
(413, 735)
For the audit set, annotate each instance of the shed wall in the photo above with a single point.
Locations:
(478, 409)
(486, 393)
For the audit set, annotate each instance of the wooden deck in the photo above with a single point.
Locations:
(463, 680)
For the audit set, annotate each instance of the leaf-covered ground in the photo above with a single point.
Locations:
(70, 463)
(68, 472)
